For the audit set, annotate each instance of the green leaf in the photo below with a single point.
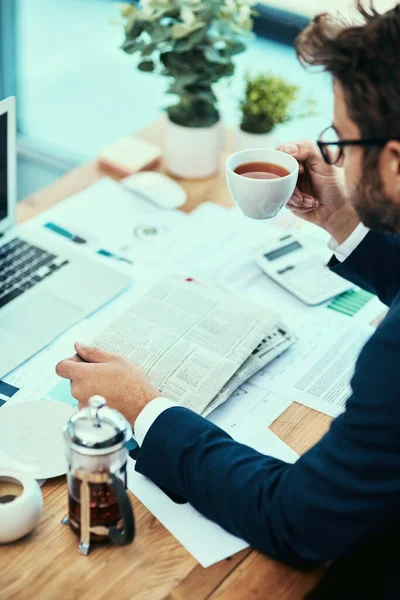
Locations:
(158, 33)
(146, 65)
(133, 28)
(208, 97)
(131, 46)
(234, 48)
(176, 63)
(191, 117)
(189, 42)
(148, 49)
(180, 84)
(213, 56)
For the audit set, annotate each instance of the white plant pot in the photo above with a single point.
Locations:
(192, 152)
(247, 141)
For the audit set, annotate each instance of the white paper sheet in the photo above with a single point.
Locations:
(205, 540)
(232, 264)
(249, 405)
(116, 220)
(317, 371)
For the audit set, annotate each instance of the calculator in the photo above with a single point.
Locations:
(300, 267)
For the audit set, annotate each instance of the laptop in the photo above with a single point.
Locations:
(45, 286)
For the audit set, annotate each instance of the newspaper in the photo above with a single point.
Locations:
(272, 346)
(196, 341)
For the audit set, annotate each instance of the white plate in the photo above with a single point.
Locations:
(31, 437)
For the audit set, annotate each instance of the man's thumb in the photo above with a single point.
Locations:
(91, 354)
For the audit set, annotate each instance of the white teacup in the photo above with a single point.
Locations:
(261, 198)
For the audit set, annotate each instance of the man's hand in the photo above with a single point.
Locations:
(320, 196)
(123, 385)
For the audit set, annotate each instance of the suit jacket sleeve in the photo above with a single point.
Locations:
(373, 265)
(339, 493)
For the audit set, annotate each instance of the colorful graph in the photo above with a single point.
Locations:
(351, 302)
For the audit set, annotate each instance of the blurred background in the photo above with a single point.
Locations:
(77, 91)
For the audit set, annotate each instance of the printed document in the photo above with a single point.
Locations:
(192, 338)
(318, 370)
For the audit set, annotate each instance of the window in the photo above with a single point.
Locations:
(77, 91)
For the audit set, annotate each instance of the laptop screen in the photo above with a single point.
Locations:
(3, 166)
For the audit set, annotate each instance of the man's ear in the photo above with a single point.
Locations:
(390, 170)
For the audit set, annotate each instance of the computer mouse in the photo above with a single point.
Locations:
(157, 188)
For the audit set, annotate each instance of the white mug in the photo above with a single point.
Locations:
(261, 198)
(20, 506)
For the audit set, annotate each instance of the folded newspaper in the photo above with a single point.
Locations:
(196, 341)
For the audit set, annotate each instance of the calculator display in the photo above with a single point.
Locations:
(279, 252)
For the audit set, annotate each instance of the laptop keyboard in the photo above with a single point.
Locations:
(22, 266)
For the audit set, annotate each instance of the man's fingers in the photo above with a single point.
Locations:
(92, 355)
(303, 151)
(302, 201)
(68, 369)
(299, 212)
(76, 358)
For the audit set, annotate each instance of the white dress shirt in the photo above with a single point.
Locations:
(348, 246)
(154, 409)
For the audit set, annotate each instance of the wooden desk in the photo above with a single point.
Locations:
(47, 566)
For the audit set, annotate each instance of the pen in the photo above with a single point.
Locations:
(67, 234)
(109, 254)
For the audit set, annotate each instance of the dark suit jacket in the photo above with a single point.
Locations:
(341, 500)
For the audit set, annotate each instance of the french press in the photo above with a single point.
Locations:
(99, 508)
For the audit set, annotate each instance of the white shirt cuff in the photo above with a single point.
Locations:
(148, 415)
(344, 250)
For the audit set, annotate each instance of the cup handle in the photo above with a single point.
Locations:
(121, 537)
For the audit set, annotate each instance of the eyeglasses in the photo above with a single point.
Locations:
(332, 148)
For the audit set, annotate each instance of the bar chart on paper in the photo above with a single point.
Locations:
(351, 302)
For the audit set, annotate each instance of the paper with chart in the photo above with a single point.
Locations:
(231, 236)
(116, 224)
(318, 371)
(191, 338)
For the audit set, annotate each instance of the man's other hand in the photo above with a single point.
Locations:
(123, 385)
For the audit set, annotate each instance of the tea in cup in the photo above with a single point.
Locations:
(261, 181)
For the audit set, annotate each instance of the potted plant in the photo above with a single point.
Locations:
(268, 101)
(192, 43)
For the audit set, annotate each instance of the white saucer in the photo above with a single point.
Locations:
(31, 437)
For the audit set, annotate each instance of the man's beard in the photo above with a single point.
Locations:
(375, 209)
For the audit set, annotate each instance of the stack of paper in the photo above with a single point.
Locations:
(197, 342)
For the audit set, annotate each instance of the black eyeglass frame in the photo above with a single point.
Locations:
(343, 143)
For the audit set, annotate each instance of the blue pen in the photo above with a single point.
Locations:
(109, 254)
(67, 234)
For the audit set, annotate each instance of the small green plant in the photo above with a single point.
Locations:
(269, 101)
(192, 42)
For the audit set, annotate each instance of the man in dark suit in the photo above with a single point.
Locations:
(341, 501)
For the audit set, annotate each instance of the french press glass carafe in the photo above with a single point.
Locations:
(99, 508)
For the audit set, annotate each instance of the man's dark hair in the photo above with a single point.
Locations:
(365, 60)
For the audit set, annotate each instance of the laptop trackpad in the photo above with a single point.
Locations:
(40, 317)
